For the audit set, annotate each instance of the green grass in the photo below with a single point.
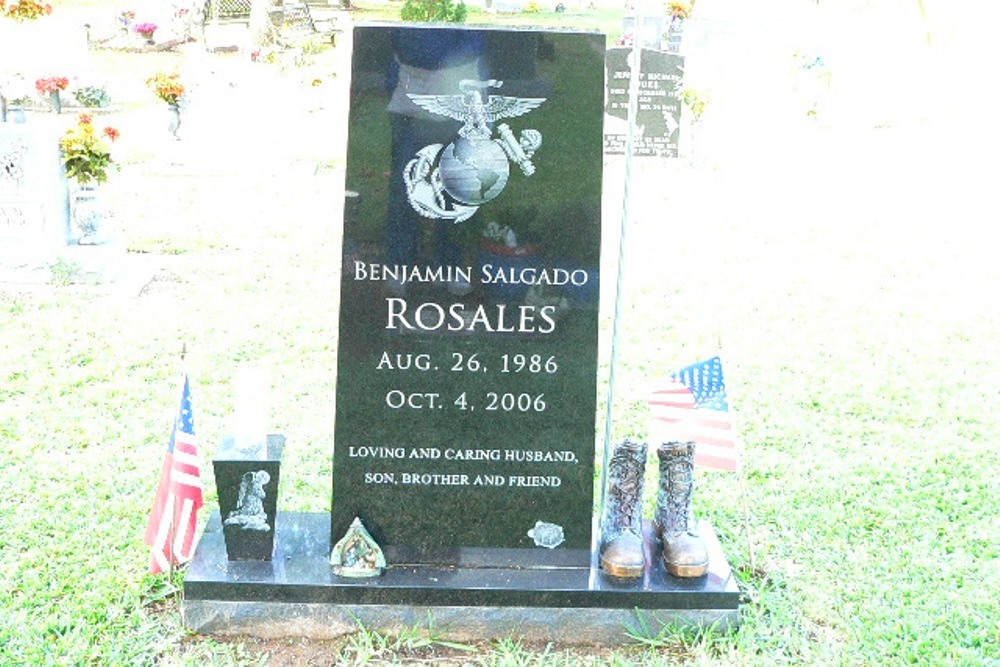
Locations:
(601, 18)
(854, 298)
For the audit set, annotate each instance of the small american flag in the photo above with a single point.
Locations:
(693, 406)
(171, 533)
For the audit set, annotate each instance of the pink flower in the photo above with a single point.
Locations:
(51, 84)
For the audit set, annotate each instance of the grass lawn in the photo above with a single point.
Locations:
(845, 270)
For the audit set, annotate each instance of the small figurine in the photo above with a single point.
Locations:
(249, 513)
(548, 535)
(357, 555)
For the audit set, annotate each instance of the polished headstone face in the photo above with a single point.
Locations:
(467, 355)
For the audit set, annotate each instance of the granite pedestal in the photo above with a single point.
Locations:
(297, 594)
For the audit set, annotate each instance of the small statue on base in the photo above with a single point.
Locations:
(357, 554)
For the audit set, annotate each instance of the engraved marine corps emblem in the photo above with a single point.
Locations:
(451, 182)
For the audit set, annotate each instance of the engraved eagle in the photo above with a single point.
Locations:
(475, 108)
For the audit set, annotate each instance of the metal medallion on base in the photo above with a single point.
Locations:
(357, 555)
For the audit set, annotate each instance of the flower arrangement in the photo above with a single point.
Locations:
(167, 87)
(145, 29)
(695, 101)
(52, 84)
(125, 19)
(25, 10)
(92, 96)
(510, 232)
(502, 234)
(679, 10)
(86, 154)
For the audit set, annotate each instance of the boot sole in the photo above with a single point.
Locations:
(694, 570)
(622, 571)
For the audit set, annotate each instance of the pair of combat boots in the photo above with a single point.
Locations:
(622, 553)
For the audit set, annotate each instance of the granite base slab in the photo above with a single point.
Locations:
(297, 594)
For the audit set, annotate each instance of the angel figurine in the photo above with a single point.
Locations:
(249, 513)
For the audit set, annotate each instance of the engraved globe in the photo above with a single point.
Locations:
(474, 171)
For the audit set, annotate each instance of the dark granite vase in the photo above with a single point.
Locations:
(248, 499)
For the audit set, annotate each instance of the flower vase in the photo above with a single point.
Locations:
(88, 215)
(56, 101)
(16, 115)
(175, 119)
(674, 33)
(148, 36)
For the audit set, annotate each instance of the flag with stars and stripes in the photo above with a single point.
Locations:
(693, 406)
(172, 530)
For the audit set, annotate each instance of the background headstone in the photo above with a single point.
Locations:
(34, 198)
(650, 31)
(658, 114)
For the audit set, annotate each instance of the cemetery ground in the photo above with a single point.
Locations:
(845, 267)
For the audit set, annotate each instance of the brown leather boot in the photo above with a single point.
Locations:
(622, 553)
(684, 552)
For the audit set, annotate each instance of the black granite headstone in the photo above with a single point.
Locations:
(465, 400)
(467, 361)
(658, 111)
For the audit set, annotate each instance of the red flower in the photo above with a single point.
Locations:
(111, 133)
(51, 84)
(85, 119)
